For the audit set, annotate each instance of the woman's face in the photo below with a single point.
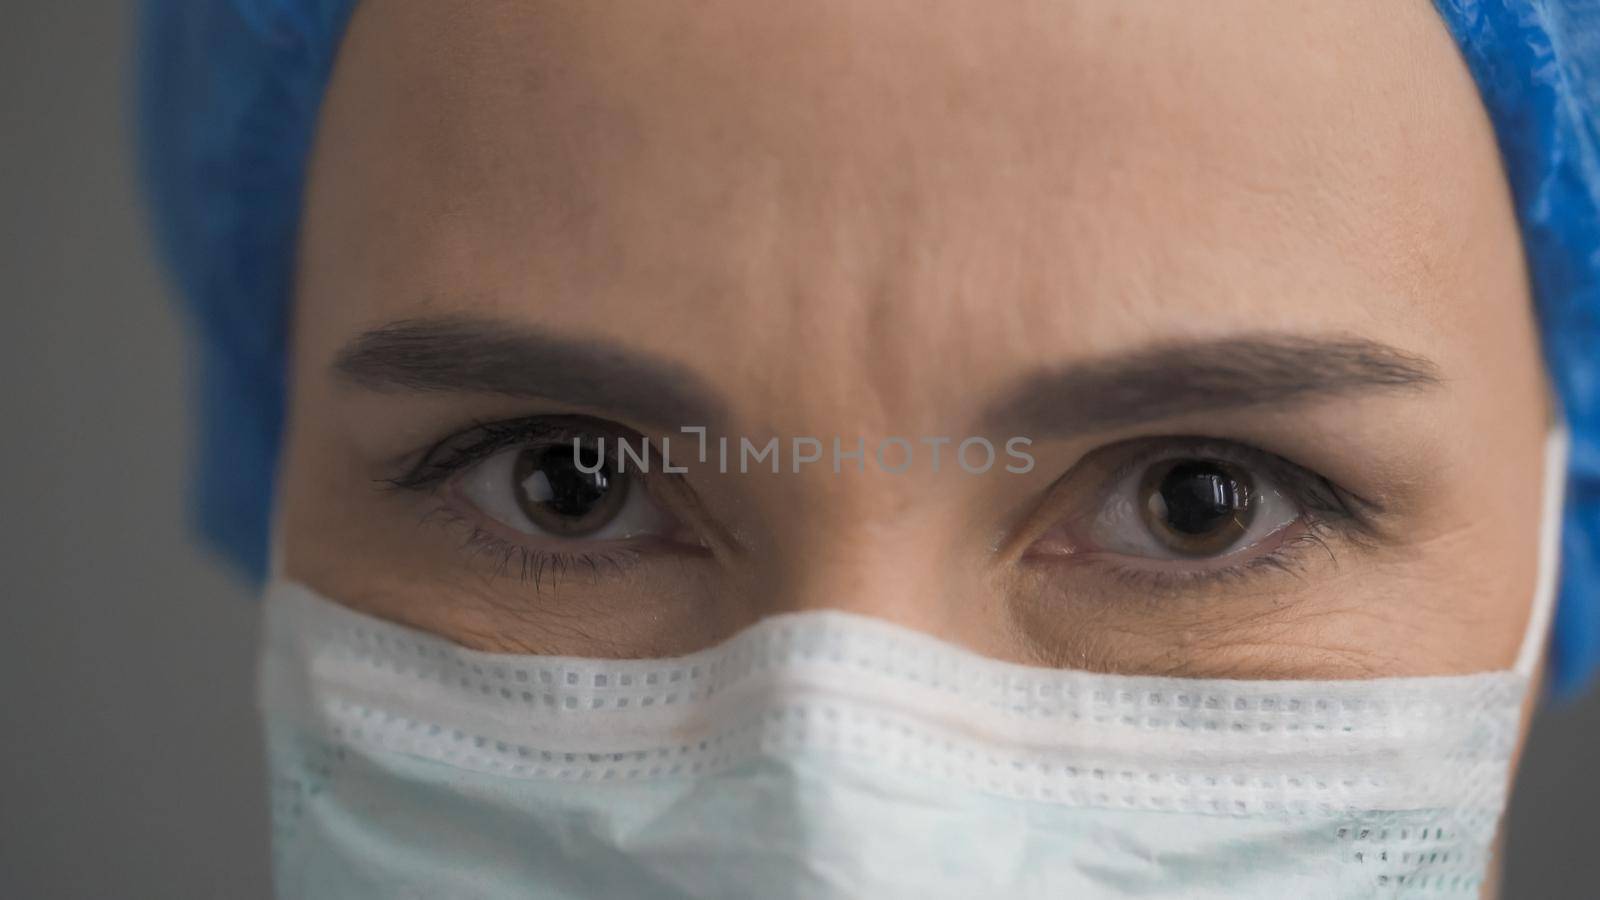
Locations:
(1249, 286)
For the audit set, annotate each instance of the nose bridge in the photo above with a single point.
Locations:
(881, 545)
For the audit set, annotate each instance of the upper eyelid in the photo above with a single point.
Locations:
(442, 459)
(1178, 446)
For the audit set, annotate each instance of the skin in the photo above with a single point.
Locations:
(884, 219)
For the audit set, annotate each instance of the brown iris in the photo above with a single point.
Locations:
(1196, 507)
(556, 493)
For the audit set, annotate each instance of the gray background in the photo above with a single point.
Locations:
(129, 764)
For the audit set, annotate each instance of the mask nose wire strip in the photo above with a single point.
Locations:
(1553, 497)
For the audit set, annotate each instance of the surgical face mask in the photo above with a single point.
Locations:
(826, 754)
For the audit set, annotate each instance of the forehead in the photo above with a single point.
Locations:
(923, 198)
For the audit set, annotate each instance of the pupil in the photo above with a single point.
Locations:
(573, 492)
(1199, 496)
(560, 497)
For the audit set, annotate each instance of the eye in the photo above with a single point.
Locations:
(1184, 505)
(1190, 508)
(568, 489)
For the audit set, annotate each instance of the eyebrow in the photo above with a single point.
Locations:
(1172, 379)
(465, 354)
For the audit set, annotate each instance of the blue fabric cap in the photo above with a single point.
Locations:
(228, 98)
(229, 94)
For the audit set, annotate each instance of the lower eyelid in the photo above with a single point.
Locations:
(533, 566)
(464, 448)
(481, 545)
(1289, 548)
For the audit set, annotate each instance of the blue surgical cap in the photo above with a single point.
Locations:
(228, 98)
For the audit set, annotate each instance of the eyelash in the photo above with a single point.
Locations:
(1327, 509)
(454, 453)
(481, 440)
(1288, 557)
(533, 564)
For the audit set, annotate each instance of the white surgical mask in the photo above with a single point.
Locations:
(827, 754)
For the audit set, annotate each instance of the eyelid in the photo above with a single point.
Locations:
(485, 543)
(1289, 556)
(467, 446)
